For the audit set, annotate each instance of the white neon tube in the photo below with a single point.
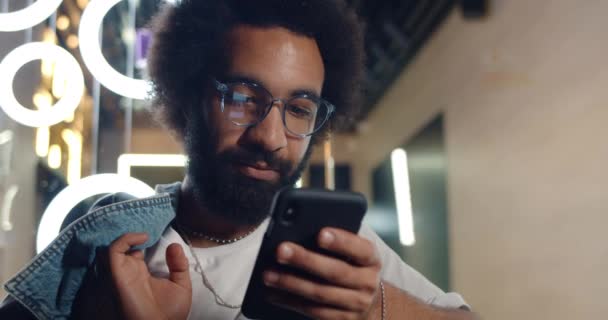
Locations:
(6, 136)
(43, 138)
(48, 116)
(90, 49)
(68, 198)
(73, 140)
(401, 181)
(29, 16)
(126, 161)
(54, 157)
(7, 206)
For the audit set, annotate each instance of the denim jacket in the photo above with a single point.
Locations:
(60, 281)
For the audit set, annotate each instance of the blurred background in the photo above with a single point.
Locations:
(481, 148)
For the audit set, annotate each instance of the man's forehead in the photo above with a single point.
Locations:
(274, 56)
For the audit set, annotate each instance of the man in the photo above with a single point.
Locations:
(249, 87)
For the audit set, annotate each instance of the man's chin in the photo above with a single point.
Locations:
(236, 197)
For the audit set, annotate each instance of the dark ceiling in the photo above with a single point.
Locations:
(395, 31)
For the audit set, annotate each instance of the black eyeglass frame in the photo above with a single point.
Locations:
(223, 88)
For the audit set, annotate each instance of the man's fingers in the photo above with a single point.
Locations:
(342, 298)
(137, 254)
(179, 269)
(123, 244)
(355, 248)
(335, 271)
(311, 309)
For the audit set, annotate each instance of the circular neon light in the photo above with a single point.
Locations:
(28, 17)
(68, 198)
(90, 25)
(63, 108)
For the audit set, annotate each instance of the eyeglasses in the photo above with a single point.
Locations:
(247, 104)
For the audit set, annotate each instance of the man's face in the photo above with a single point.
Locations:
(236, 170)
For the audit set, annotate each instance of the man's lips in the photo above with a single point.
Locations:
(258, 171)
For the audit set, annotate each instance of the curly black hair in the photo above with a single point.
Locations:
(190, 41)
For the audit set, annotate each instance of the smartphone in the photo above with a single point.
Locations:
(298, 215)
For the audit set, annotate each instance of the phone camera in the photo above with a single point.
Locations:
(289, 215)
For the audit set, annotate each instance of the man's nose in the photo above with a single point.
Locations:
(270, 133)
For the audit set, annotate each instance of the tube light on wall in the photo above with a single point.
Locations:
(54, 157)
(6, 145)
(29, 16)
(6, 136)
(90, 49)
(59, 85)
(43, 138)
(44, 117)
(330, 166)
(126, 161)
(68, 198)
(73, 140)
(7, 205)
(403, 197)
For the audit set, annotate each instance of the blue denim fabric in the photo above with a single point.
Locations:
(48, 285)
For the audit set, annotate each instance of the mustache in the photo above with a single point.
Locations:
(284, 167)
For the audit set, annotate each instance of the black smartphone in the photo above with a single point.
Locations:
(298, 215)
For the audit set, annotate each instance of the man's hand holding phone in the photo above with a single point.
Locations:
(350, 288)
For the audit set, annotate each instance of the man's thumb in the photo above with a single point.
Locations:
(179, 271)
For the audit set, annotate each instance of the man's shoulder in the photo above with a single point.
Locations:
(49, 283)
(122, 201)
(170, 191)
(111, 199)
(100, 203)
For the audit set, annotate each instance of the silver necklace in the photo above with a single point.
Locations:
(201, 235)
(199, 268)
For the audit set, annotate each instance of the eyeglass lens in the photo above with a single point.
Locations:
(248, 104)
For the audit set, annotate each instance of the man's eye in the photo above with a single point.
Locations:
(237, 97)
(300, 112)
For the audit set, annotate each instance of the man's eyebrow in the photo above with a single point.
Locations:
(308, 92)
(236, 77)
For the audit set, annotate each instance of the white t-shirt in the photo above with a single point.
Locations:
(228, 269)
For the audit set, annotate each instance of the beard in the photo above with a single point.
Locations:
(222, 189)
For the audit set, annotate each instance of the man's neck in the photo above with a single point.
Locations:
(195, 217)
